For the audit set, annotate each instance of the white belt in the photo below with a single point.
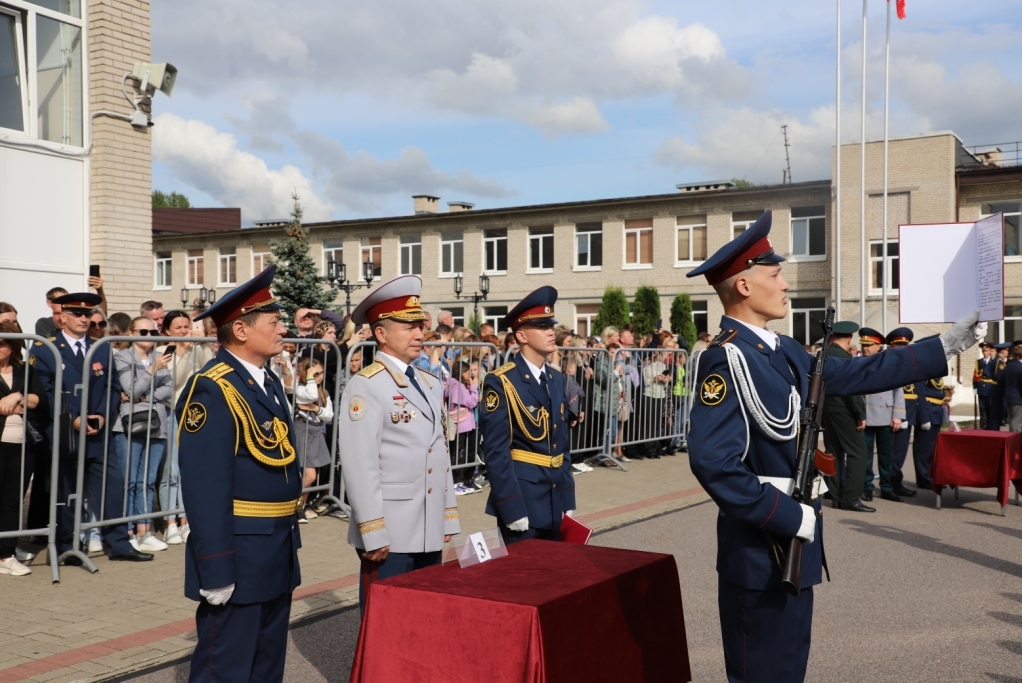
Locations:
(786, 484)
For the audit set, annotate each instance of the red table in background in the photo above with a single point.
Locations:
(548, 612)
(978, 458)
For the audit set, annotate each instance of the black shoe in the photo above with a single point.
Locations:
(857, 506)
(828, 496)
(902, 491)
(72, 561)
(131, 555)
(890, 495)
(38, 540)
(867, 496)
(924, 485)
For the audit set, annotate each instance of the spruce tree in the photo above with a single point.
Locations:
(298, 283)
(681, 319)
(645, 310)
(613, 310)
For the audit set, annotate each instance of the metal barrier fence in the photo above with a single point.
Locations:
(126, 462)
(691, 372)
(32, 464)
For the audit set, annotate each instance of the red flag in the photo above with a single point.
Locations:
(900, 8)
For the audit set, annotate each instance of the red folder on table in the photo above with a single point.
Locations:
(574, 531)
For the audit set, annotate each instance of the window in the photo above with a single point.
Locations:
(333, 250)
(411, 254)
(495, 251)
(691, 239)
(196, 278)
(452, 253)
(541, 248)
(808, 231)
(588, 246)
(163, 269)
(372, 251)
(585, 317)
(458, 315)
(883, 270)
(59, 81)
(1008, 329)
(13, 94)
(807, 316)
(228, 266)
(495, 316)
(1012, 230)
(699, 316)
(742, 221)
(639, 243)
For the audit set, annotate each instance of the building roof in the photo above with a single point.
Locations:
(195, 221)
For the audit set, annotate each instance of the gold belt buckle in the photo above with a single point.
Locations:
(556, 461)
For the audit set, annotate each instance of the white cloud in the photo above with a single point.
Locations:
(579, 115)
(653, 50)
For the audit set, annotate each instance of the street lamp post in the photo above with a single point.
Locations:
(484, 291)
(337, 274)
(206, 296)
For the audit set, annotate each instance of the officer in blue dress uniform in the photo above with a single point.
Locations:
(900, 336)
(930, 416)
(242, 489)
(998, 410)
(742, 449)
(983, 382)
(73, 344)
(525, 435)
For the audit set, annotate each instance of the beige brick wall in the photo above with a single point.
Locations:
(121, 160)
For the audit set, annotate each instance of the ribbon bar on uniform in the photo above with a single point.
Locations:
(551, 461)
(251, 508)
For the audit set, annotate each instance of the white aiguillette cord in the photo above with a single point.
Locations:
(747, 396)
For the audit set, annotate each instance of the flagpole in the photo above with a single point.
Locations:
(837, 175)
(862, 183)
(886, 276)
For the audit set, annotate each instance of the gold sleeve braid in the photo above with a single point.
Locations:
(519, 410)
(258, 444)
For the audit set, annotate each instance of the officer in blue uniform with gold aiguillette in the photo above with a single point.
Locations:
(242, 488)
(525, 436)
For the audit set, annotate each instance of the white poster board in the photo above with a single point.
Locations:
(949, 270)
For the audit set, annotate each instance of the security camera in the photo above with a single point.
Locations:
(153, 77)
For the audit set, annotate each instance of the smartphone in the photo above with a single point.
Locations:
(93, 422)
(197, 326)
(660, 324)
(94, 270)
(169, 351)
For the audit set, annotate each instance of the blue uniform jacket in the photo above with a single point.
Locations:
(258, 554)
(983, 376)
(717, 440)
(911, 392)
(520, 489)
(931, 402)
(1012, 380)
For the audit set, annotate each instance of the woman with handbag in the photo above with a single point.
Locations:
(142, 423)
(16, 412)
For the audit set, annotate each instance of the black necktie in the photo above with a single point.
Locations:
(545, 385)
(410, 373)
(78, 350)
(267, 383)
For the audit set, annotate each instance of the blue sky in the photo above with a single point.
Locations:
(357, 106)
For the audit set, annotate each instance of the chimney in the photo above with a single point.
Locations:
(426, 203)
(458, 207)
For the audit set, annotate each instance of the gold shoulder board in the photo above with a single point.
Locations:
(217, 371)
(503, 368)
(373, 368)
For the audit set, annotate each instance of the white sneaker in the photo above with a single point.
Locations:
(577, 469)
(95, 546)
(151, 544)
(11, 566)
(134, 542)
(172, 536)
(185, 531)
(23, 555)
(585, 467)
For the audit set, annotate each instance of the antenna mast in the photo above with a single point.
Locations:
(786, 173)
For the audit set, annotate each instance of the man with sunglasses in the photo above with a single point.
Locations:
(73, 344)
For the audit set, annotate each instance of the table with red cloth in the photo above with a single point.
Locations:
(978, 458)
(546, 613)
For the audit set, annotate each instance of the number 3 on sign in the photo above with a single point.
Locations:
(478, 544)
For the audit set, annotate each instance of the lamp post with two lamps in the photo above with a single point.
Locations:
(484, 291)
(206, 296)
(337, 274)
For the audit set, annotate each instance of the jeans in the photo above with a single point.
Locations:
(141, 474)
(170, 475)
(12, 491)
(609, 443)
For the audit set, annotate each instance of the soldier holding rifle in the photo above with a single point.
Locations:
(753, 386)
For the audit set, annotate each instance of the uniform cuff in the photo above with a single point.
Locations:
(807, 530)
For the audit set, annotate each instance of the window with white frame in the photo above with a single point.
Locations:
(195, 275)
(411, 254)
(691, 242)
(807, 316)
(742, 221)
(699, 316)
(260, 258)
(639, 243)
(1012, 225)
(588, 246)
(808, 231)
(54, 78)
(372, 250)
(228, 266)
(452, 253)
(1006, 330)
(495, 316)
(585, 318)
(333, 250)
(495, 251)
(541, 249)
(883, 272)
(164, 263)
(458, 316)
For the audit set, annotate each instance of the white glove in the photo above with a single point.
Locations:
(807, 532)
(218, 596)
(520, 525)
(569, 513)
(963, 335)
(925, 426)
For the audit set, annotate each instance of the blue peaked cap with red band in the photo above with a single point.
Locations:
(254, 295)
(751, 248)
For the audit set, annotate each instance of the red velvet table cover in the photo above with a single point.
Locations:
(978, 458)
(548, 612)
